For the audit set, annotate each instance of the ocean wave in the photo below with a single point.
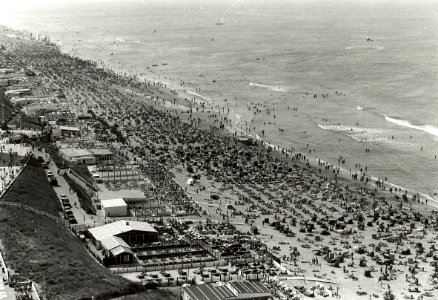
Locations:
(369, 137)
(376, 48)
(426, 128)
(359, 108)
(359, 134)
(207, 99)
(340, 127)
(270, 87)
(120, 39)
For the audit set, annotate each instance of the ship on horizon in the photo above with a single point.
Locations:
(221, 22)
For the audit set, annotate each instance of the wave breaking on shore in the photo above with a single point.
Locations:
(273, 88)
(404, 123)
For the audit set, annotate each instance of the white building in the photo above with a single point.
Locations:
(114, 207)
(77, 156)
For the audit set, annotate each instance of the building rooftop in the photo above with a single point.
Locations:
(116, 202)
(119, 250)
(232, 290)
(16, 91)
(68, 128)
(38, 107)
(115, 245)
(253, 287)
(209, 292)
(112, 242)
(100, 151)
(125, 194)
(111, 229)
(76, 152)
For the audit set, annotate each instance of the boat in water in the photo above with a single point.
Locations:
(221, 22)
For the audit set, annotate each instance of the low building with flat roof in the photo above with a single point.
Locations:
(116, 207)
(129, 196)
(23, 101)
(17, 92)
(77, 156)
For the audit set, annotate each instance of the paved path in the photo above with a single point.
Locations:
(36, 211)
(6, 292)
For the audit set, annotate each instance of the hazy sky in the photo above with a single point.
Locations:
(8, 8)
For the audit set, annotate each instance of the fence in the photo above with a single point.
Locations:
(159, 267)
(249, 259)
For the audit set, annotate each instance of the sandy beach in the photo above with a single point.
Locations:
(334, 231)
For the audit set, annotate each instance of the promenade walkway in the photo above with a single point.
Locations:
(6, 292)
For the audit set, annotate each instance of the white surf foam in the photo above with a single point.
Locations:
(120, 39)
(359, 108)
(269, 87)
(359, 134)
(426, 128)
(340, 127)
(376, 48)
(207, 99)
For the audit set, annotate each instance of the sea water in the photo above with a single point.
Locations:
(326, 78)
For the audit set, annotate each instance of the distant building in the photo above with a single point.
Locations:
(84, 156)
(109, 172)
(102, 156)
(6, 80)
(116, 239)
(250, 290)
(132, 232)
(6, 71)
(17, 93)
(23, 101)
(116, 207)
(117, 251)
(77, 156)
(69, 131)
(129, 196)
(47, 111)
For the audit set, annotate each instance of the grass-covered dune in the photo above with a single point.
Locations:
(32, 189)
(44, 250)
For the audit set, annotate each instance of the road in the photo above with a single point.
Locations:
(63, 188)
